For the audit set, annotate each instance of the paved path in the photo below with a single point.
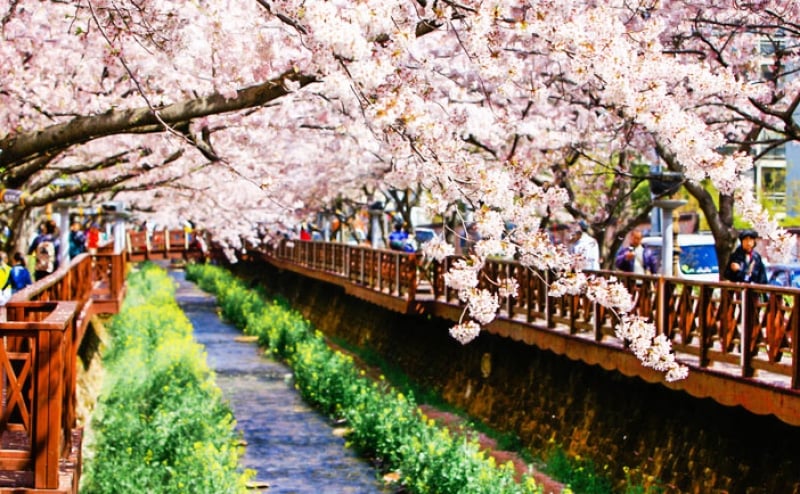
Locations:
(292, 447)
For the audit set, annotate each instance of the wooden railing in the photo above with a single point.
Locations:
(740, 341)
(385, 271)
(162, 244)
(43, 328)
(723, 324)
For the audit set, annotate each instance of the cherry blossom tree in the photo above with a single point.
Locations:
(244, 114)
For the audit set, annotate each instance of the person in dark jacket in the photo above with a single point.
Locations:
(635, 257)
(745, 264)
(45, 247)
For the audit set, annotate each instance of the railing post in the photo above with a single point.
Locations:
(48, 409)
(347, 253)
(746, 335)
(573, 313)
(412, 278)
(550, 305)
(147, 245)
(597, 318)
(363, 257)
(378, 266)
(705, 337)
(528, 294)
(660, 317)
(794, 331)
(509, 304)
(397, 274)
(117, 275)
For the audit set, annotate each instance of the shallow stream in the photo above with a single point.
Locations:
(292, 448)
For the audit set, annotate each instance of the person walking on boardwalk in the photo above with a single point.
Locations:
(636, 258)
(93, 238)
(45, 248)
(77, 240)
(5, 272)
(585, 246)
(19, 277)
(745, 264)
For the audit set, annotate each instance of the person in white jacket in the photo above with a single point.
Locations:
(586, 247)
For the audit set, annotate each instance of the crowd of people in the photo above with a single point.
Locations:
(744, 265)
(42, 256)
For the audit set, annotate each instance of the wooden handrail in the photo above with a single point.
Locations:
(160, 245)
(42, 331)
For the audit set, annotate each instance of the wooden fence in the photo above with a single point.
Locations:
(740, 341)
(44, 325)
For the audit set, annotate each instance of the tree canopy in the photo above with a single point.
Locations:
(243, 113)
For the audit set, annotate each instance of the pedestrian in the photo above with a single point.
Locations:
(19, 277)
(585, 246)
(398, 237)
(745, 264)
(636, 258)
(305, 234)
(93, 238)
(45, 248)
(77, 240)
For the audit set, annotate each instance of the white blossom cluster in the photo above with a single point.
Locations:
(482, 305)
(610, 293)
(508, 287)
(463, 276)
(572, 283)
(465, 332)
(653, 351)
(437, 249)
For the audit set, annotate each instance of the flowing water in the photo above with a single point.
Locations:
(292, 448)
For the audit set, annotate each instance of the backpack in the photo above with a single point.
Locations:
(45, 256)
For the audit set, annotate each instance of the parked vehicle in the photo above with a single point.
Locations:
(698, 259)
(422, 235)
(787, 275)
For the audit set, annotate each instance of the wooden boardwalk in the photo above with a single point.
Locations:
(42, 328)
(739, 341)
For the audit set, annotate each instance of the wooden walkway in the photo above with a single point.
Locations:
(42, 328)
(739, 341)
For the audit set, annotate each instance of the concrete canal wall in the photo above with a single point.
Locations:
(622, 423)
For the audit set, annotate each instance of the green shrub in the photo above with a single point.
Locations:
(161, 425)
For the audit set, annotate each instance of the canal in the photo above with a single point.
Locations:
(292, 448)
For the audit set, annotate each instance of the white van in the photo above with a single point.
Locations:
(698, 259)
